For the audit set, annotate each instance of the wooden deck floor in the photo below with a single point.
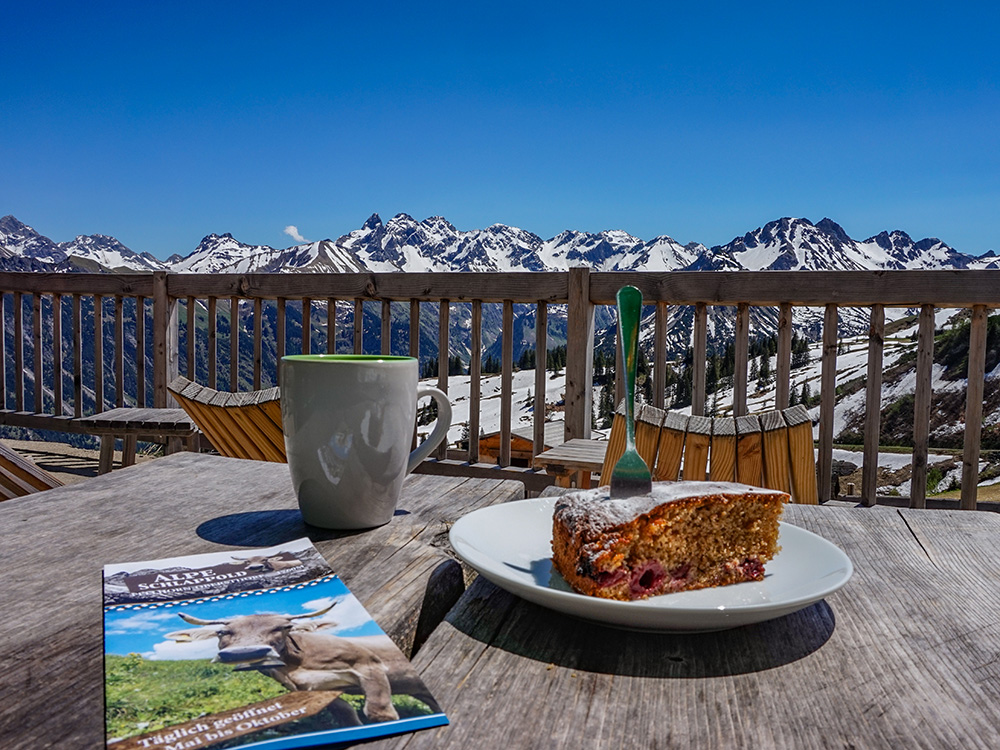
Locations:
(67, 463)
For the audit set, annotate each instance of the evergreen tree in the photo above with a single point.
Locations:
(669, 382)
(556, 358)
(600, 366)
(800, 351)
(713, 407)
(712, 373)
(427, 413)
(606, 404)
(682, 393)
(643, 378)
(764, 374)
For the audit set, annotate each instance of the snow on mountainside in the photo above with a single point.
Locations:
(786, 244)
(110, 253)
(18, 240)
(796, 244)
(434, 244)
(224, 254)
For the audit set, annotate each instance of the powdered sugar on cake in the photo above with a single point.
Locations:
(594, 511)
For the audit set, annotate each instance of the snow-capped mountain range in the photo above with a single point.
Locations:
(434, 244)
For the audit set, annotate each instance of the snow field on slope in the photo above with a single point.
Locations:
(522, 387)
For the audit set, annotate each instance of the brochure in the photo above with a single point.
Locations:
(262, 648)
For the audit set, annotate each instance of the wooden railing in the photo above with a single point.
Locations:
(46, 308)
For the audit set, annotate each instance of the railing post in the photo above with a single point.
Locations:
(18, 351)
(36, 334)
(541, 350)
(3, 351)
(782, 389)
(974, 407)
(922, 407)
(475, 373)
(828, 397)
(873, 405)
(385, 338)
(740, 384)
(660, 354)
(579, 356)
(444, 351)
(699, 353)
(506, 382)
(165, 341)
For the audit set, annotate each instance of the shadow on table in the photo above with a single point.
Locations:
(504, 621)
(266, 528)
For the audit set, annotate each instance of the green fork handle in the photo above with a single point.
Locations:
(629, 309)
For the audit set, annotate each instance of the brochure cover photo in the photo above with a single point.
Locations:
(263, 648)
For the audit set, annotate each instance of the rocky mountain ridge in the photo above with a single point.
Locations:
(434, 244)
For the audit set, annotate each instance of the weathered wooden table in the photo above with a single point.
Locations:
(53, 546)
(907, 654)
(577, 458)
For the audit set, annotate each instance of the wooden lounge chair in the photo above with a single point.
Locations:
(20, 476)
(773, 449)
(239, 425)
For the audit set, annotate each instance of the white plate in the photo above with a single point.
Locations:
(510, 545)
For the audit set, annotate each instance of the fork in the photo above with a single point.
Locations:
(630, 475)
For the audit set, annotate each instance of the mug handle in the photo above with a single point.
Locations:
(441, 427)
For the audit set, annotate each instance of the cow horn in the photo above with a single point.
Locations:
(198, 621)
(317, 613)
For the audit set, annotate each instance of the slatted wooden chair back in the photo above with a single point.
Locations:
(773, 449)
(648, 421)
(20, 476)
(239, 425)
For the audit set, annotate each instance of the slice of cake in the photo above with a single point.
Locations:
(683, 535)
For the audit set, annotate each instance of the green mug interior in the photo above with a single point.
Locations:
(346, 358)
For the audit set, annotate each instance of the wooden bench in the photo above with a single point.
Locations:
(129, 424)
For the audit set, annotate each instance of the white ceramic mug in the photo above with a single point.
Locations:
(348, 422)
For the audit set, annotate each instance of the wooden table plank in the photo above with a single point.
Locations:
(56, 542)
(579, 456)
(905, 655)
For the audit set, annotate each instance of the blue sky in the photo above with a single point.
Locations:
(159, 123)
(144, 631)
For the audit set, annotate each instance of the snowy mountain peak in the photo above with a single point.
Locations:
(829, 226)
(797, 244)
(434, 244)
(20, 240)
(109, 253)
(440, 224)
